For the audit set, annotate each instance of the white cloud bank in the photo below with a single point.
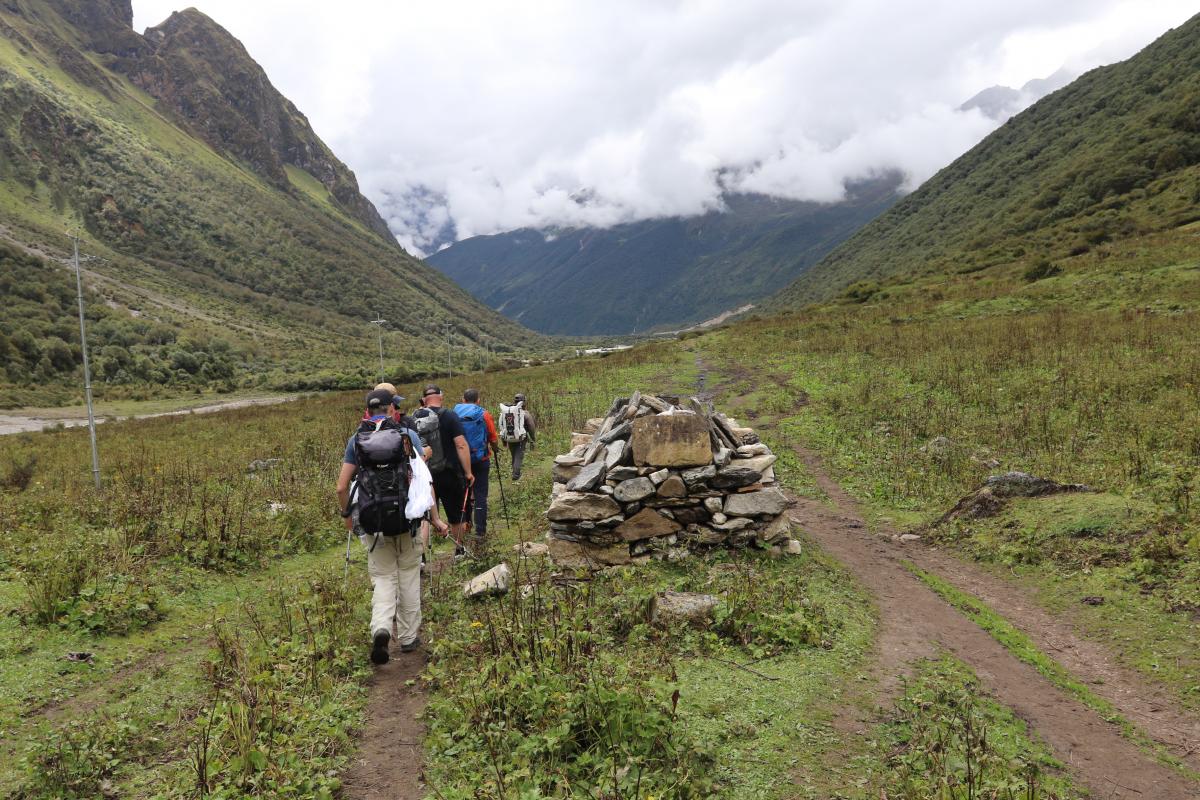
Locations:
(489, 116)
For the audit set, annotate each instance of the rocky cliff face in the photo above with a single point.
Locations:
(206, 79)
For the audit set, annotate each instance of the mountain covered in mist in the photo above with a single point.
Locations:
(660, 273)
(1112, 157)
(1001, 102)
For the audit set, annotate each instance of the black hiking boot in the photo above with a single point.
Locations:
(410, 646)
(379, 647)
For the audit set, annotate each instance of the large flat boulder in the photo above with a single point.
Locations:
(646, 524)
(582, 506)
(670, 440)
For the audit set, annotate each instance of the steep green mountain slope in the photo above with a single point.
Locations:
(212, 210)
(657, 273)
(1112, 156)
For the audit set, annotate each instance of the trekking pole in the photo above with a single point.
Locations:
(349, 535)
(503, 499)
(468, 518)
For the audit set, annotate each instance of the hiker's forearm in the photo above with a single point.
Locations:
(464, 454)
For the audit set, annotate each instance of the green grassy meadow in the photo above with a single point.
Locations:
(229, 652)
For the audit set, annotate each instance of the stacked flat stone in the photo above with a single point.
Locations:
(659, 478)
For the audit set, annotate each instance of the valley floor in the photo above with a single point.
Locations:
(1051, 651)
(30, 420)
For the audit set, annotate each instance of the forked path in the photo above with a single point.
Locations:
(915, 622)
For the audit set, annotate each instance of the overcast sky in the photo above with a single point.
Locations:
(497, 115)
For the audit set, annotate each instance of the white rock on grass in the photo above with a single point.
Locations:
(494, 581)
(691, 608)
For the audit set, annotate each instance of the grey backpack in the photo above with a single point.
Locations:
(429, 428)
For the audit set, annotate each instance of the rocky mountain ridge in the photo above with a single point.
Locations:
(204, 78)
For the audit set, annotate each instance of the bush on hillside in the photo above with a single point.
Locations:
(1042, 269)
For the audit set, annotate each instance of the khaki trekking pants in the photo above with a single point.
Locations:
(395, 569)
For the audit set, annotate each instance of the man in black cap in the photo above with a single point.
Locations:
(394, 560)
(450, 461)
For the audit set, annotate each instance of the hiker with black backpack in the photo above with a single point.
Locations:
(384, 490)
(449, 461)
(481, 440)
(517, 431)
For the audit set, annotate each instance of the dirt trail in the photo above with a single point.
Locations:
(1149, 707)
(915, 622)
(387, 765)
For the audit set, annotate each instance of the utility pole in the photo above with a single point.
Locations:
(87, 370)
(380, 321)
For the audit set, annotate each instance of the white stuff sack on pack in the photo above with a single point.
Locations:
(512, 423)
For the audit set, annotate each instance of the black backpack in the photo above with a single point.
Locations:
(383, 451)
(429, 428)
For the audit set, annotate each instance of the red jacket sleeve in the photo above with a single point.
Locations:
(491, 426)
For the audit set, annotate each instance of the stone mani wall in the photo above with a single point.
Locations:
(656, 478)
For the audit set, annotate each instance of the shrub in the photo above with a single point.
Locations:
(19, 474)
(1042, 269)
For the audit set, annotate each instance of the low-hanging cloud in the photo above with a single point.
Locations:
(476, 117)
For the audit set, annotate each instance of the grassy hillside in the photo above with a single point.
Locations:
(261, 246)
(1110, 158)
(683, 270)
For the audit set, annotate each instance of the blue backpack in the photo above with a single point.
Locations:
(475, 428)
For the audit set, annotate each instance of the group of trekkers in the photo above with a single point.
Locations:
(397, 469)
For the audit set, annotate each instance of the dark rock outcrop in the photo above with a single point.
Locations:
(204, 78)
(997, 490)
(207, 79)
